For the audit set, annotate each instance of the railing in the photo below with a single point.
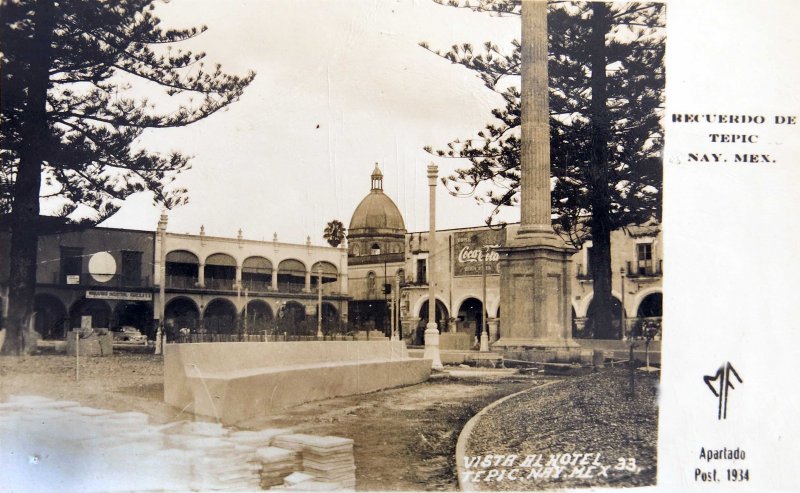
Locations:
(182, 282)
(651, 268)
(227, 284)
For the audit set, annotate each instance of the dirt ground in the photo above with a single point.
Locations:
(404, 438)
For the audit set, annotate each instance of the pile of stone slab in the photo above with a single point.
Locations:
(51, 445)
(329, 459)
(277, 464)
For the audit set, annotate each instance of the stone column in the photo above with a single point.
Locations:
(493, 324)
(274, 279)
(535, 265)
(201, 275)
(307, 288)
(431, 332)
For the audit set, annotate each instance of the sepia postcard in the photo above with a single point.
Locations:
(398, 245)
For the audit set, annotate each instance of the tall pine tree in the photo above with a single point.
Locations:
(72, 114)
(606, 99)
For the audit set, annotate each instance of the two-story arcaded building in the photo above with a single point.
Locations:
(215, 285)
(225, 285)
(377, 258)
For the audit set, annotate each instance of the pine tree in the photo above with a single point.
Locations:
(606, 134)
(72, 116)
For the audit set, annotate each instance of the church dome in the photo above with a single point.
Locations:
(376, 213)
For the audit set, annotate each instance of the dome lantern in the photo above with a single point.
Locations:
(377, 178)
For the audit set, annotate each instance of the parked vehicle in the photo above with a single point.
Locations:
(129, 334)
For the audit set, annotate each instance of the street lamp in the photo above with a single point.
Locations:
(162, 235)
(622, 302)
(484, 311)
(431, 332)
(319, 303)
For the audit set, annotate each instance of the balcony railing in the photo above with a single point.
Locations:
(645, 268)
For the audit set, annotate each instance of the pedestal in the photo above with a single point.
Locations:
(432, 346)
(535, 293)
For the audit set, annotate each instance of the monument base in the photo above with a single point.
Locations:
(534, 343)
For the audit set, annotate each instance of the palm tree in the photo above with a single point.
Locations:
(334, 233)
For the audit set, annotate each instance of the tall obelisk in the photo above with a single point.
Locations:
(535, 266)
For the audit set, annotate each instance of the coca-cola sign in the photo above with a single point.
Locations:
(470, 248)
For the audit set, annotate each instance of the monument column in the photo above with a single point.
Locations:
(535, 265)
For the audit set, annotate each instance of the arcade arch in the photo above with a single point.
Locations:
(291, 276)
(650, 306)
(470, 316)
(51, 317)
(256, 274)
(180, 313)
(97, 309)
(219, 316)
(220, 271)
(137, 314)
(256, 317)
(330, 276)
(182, 269)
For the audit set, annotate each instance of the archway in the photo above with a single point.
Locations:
(182, 269)
(97, 309)
(219, 317)
(137, 314)
(651, 306)
(441, 314)
(291, 276)
(330, 317)
(220, 271)
(330, 275)
(292, 320)
(180, 313)
(470, 317)
(256, 317)
(591, 331)
(257, 274)
(51, 317)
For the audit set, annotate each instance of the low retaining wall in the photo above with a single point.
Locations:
(234, 382)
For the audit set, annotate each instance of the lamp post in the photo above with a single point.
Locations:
(319, 303)
(396, 297)
(622, 302)
(162, 234)
(484, 311)
(431, 332)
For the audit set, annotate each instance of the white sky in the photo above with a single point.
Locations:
(355, 69)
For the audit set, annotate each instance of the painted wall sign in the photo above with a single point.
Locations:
(469, 248)
(118, 295)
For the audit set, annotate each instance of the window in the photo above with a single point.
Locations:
(644, 258)
(422, 270)
(375, 249)
(71, 265)
(131, 268)
(588, 272)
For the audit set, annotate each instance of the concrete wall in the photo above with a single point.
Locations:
(237, 381)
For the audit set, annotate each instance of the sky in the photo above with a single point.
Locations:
(340, 86)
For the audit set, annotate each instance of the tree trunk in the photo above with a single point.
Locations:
(25, 209)
(600, 24)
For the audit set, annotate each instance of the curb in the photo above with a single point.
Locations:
(461, 445)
